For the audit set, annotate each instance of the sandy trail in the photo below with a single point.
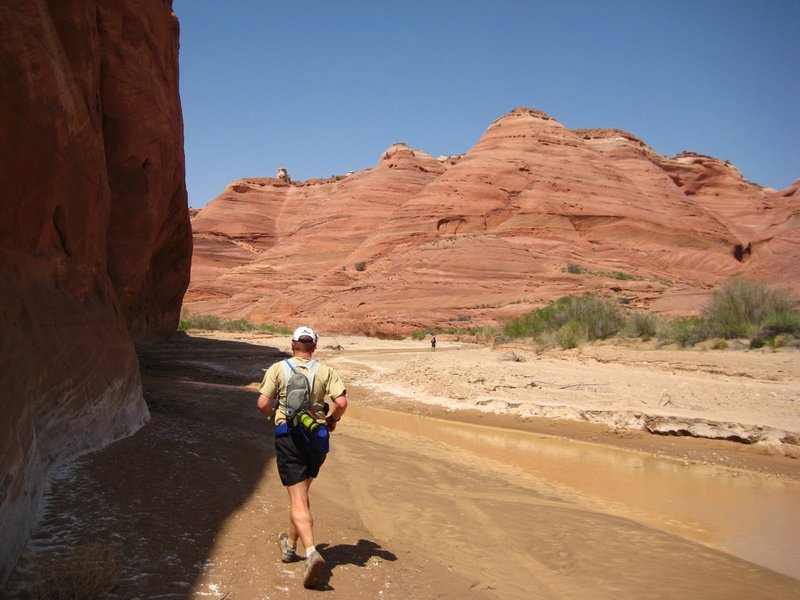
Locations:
(193, 503)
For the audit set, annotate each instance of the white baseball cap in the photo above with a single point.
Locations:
(304, 332)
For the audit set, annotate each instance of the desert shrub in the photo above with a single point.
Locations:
(778, 322)
(686, 331)
(534, 323)
(756, 343)
(574, 269)
(89, 572)
(570, 335)
(189, 321)
(622, 276)
(589, 318)
(599, 318)
(266, 328)
(484, 330)
(215, 323)
(548, 339)
(361, 266)
(641, 325)
(783, 340)
(738, 307)
(421, 334)
(719, 345)
(237, 325)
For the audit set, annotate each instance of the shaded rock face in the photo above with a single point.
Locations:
(95, 241)
(534, 211)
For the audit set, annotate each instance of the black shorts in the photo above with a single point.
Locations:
(296, 460)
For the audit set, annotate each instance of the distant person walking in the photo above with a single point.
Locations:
(433, 343)
(301, 437)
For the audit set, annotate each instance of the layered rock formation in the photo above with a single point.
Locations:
(532, 212)
(95, 241)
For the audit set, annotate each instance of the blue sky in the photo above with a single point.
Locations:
(324, 87)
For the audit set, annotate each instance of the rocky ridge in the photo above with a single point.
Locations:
(472, 239)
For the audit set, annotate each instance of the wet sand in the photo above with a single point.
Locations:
(417, 500)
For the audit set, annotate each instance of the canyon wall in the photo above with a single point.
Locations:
(534, 211)
(95, 240)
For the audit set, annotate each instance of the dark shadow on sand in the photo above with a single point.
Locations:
(160, 496)
(358, 554)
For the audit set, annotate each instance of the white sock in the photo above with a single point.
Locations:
(309, 550)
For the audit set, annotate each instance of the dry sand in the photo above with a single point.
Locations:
(456, 473)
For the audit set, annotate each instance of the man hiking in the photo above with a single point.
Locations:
(301, 437)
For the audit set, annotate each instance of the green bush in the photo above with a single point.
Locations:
(738, 307)
(215, 323)
(588, 317)
(570, 335)
(641, 325)
(421, 334)
(600, 318)
(623, 276)
(361, 266)
(532, 324)
(574, 269)
(484, 330)
(238, 325)
(189, 321)
(282, 330)
(780, 321)
(686, 331)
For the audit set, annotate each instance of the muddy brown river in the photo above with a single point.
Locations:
(754, 517)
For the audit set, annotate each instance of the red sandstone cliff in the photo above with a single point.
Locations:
(469, 241)
(95, 241)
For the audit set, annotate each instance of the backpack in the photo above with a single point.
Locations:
(298, 388)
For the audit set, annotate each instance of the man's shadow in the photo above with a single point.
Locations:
(350, 554)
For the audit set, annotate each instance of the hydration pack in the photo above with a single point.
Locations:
(298, 388)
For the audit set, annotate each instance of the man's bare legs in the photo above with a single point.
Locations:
(301, 521)
(301, 525)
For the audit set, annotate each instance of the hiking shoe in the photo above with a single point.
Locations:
(288, 553)
(315, 564)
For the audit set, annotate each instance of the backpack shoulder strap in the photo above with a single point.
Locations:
(311, 366)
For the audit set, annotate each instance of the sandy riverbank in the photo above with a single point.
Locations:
(192, 503)
(689, 398)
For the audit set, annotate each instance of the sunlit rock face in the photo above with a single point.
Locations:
(534, 211)
(95, 241)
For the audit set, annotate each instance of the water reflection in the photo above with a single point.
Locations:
(753, 517)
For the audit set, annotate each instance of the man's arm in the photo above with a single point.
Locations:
(266, 405)
(339, 406)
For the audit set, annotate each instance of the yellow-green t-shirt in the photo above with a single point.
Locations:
(326, 383)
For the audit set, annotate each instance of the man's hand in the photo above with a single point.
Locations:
(266, 406)
(331, 423)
